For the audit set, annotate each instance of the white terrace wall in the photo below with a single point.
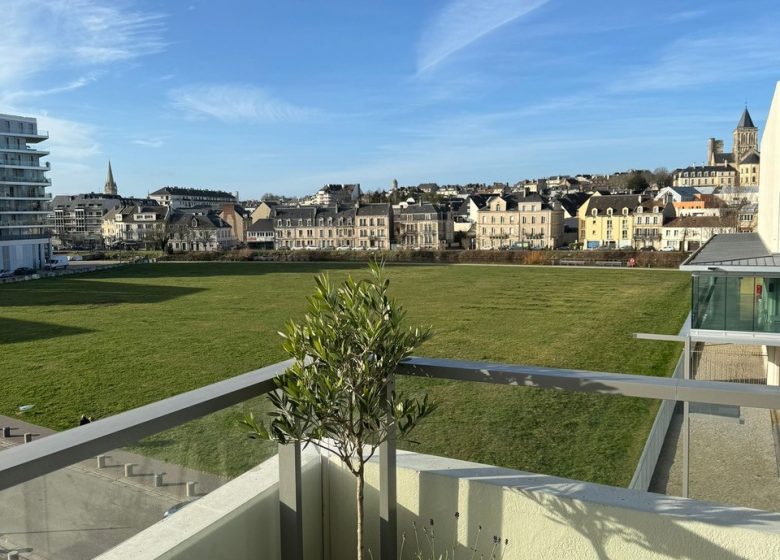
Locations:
(542, 516)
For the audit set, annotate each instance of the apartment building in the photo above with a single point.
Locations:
(373, 226)
(691, 232)
(136, 224)
(180, 197)
(365, 226)
(608, 221)
(649, 218)
(422, 226)
(199, 229)
(527, 222)
(78, 219)
(706, 176)
(260, 235)
(24, 232)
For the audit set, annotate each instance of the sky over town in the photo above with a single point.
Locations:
(267, 96)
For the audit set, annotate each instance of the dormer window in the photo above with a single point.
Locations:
(639, 209)
(594, 212)
(194, 222)
(625, 211)
(609, 211)
(300, 222)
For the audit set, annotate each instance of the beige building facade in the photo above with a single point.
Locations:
(524, 222)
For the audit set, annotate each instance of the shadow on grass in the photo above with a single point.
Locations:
(16, 330)
(71, 291)
(218, 268)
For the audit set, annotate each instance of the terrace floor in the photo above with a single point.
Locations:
(733, 459)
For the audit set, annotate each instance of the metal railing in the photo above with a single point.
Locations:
(40, 457)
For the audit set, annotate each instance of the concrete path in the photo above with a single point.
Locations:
(81, 511)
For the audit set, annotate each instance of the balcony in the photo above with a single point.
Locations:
(32, 137)
(24, 181)
(19, 165)
(25, 150)
(294, 505)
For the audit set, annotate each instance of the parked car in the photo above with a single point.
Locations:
(5, 273)
(24, 271)
(75, 258)
(57, 262)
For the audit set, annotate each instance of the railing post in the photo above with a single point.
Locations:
(686, 427)
(290, 512)
(388, 523)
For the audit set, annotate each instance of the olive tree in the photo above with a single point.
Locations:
(338, 393)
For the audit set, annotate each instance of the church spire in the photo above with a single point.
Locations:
(746, 121)
(110, 186)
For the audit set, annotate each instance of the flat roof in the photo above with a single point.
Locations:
(734, 252)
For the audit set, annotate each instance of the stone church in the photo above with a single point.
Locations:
(744, 157)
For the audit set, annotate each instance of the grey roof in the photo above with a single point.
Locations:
(736, 251)
(751, 157)
(724, 157)
(313, 212)
(262, 225)
(746, 121)
(198, 221)
(129, 210)
(182, 191)
(686, 193)
(706, 167)
(423, 208)
(571, 202)
(104, 201)
(375, 209)
(615, 201)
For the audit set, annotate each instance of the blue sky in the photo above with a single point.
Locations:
(267, 96)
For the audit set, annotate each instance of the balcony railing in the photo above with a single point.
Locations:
(40, 457)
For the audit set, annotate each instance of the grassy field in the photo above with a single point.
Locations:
(105, 342)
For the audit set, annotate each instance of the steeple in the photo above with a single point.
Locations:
(746, 121)
(110, 186)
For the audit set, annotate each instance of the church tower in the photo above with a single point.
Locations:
(110, 186)
(745, 137)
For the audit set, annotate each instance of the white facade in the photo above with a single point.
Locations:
(24, 235)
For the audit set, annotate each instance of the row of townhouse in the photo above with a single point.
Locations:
(373, 226)
(366, 226)
(636, 222)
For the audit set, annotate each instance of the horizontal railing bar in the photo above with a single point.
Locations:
(715, 392)
(24, 462)
(661, 337)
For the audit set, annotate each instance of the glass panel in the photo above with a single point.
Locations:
(84, 509)
(767, 308)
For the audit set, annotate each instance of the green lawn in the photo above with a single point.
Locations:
(105, 342)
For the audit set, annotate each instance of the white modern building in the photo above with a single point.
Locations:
(24, 235)
(736, 277)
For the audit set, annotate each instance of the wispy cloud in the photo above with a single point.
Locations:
(697, 61)
(148, 142)
(78, 83)
(234, 103)
(684, 16)
(46, 34)
(462, 22)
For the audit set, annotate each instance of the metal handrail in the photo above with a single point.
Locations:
(25, 462)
